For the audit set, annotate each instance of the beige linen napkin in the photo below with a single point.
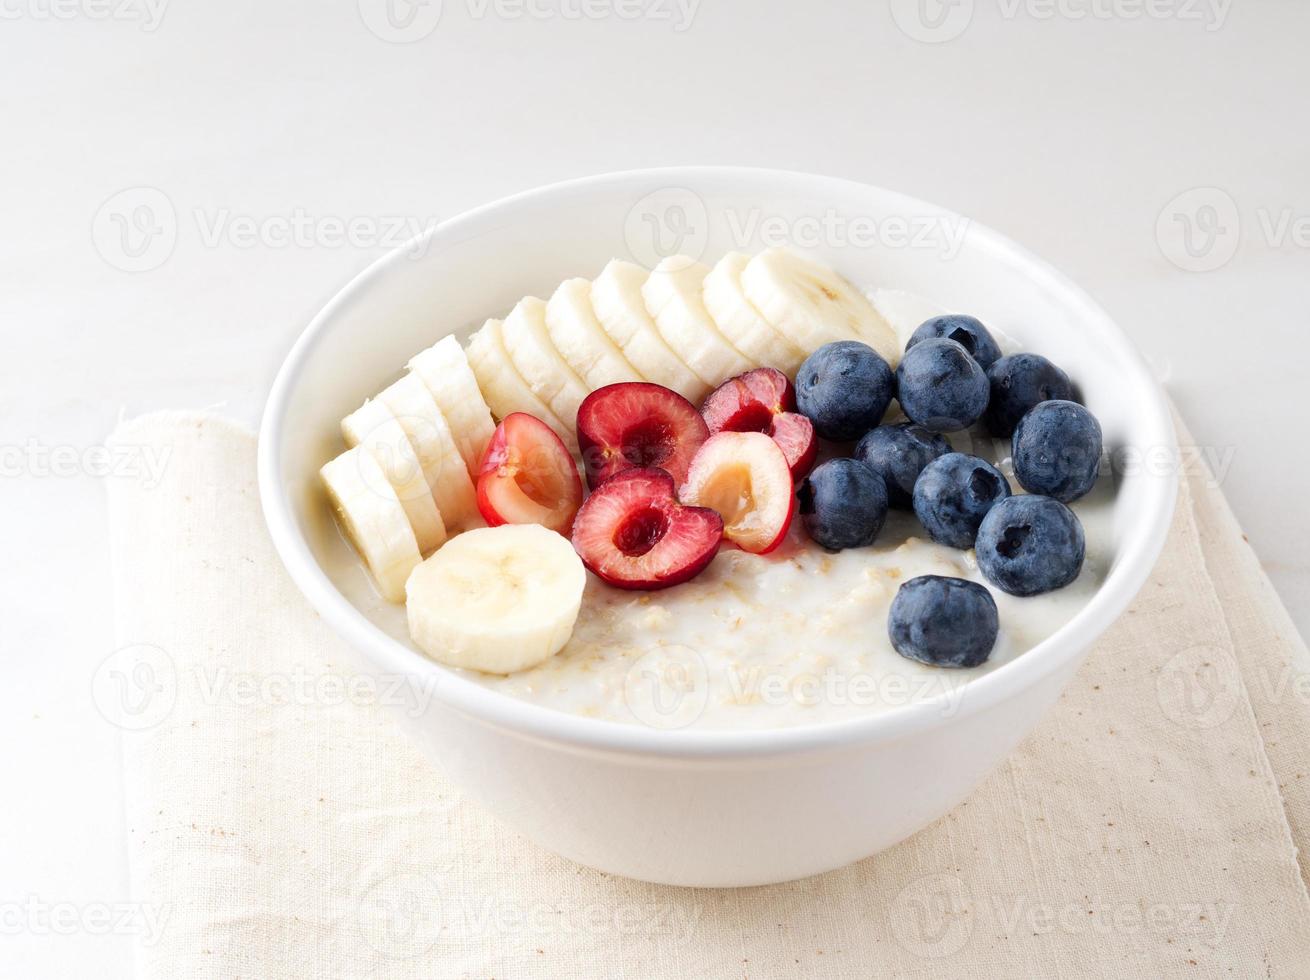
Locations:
(280, 826)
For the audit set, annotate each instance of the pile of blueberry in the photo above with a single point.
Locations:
(951, 377)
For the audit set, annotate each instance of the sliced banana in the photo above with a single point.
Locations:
(673, 299)
(374, 428)
(578, 335)
(497, 599)
(502, 385)
(538, 362)
(740, 322)
(373, 519)
(813, 305)
(429, 433)
(445, 370)
(617, 301)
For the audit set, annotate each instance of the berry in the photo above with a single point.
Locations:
(946, 622)
(940, 386)
(1030, 544)
(748, 402)
(637, 424)
(898, 453)
(794, 434)
(844, 388)
(527, 476)
(763, 400)
(843, 504)
(966, 331)
(745, 478)
(1057, 450)
(633, 533)
(1018, 382)
(953, 494)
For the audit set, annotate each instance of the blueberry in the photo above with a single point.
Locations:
(946, 622)
(1018, 382)
(843, 504)
(1030, 544)
(940, 386)
(898, 453)
(953, 494)
(844, 389)
(966, 331)
(1057, 450)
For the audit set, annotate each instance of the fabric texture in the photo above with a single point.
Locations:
(281, 827)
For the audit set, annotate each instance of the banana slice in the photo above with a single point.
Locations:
(617, 301)
(813, 305)
(547, 373)
(741, 323)
(429, 433)
(375, 429)
(445, 370)
(673, 299)
(502, 385)
(497, 599)
(373, 519)
(578, 335)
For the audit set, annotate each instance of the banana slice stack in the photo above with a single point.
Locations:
(407, 481)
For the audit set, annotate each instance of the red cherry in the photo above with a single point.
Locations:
(763, 400)
(744, 476)
(637, 424)
(527, 476)
(633, 533)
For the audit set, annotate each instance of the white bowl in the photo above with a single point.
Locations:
(696, 807)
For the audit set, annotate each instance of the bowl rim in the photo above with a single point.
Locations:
(1133, 563)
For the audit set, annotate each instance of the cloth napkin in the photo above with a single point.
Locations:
(281, 827)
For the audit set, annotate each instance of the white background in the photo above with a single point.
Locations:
(1072, 126)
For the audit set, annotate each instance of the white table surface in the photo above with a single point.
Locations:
(1075, 135)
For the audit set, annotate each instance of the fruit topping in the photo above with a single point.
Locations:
(843, 504)
(740, 322)
(1018, 382)
(1057, 450)
(763, 400)
(528, 477)
(946, 622)
(844, 388)
(373, 519)
(953, 494)
(638, 424)
(811, 304)
(1030, 544)
(794, 434)
(967, 331)
(496, 599)
(940, 386)
(633, 533)
(744, 476)
(675, 298)
(898, 453)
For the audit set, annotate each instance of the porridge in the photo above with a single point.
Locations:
(712, 404)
